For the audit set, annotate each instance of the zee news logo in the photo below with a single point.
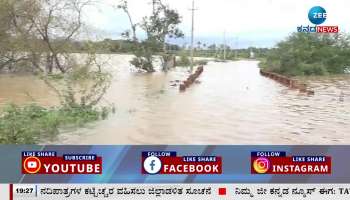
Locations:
(317, 15)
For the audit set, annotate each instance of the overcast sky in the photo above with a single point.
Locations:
(259, 23)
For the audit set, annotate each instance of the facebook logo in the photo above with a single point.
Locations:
(152, 165)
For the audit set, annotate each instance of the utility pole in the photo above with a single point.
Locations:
(192, 35)
(236, 52)
(224, 45)
(153, 6)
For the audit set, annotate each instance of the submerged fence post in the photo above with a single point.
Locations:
(291, 83)
(191, 78)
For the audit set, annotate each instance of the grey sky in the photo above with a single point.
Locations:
(246, 22)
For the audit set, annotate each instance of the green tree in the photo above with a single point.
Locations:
(39, 35)
(160, 25)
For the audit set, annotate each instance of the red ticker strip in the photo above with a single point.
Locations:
(11, 191)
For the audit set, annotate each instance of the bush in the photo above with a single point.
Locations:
(313, 69)
(26, 125)
(143, 64)
(184, 61)
(310, 54)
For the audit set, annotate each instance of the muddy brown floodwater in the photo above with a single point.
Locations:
(232, 104)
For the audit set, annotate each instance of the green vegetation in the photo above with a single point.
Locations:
(310, 54)
(185, 61)
(79, 92)
(28, 124)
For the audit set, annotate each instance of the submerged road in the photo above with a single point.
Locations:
(233, 104)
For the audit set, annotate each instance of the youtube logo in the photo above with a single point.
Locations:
(32, 165)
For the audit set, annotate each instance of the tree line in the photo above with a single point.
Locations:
(310, 54)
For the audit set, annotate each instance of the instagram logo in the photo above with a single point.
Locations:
(261, 165)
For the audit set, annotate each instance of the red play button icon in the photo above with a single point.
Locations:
(32, 165)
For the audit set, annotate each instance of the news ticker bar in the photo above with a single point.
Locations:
(176, 191)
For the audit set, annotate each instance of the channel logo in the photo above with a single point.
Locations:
(317, 15)
(261, 165)
(168, 162)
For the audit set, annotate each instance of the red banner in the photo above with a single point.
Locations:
(57, 165)
(291, 165)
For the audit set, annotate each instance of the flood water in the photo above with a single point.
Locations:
(232, 104)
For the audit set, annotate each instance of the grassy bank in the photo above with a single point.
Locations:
(29, 124)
